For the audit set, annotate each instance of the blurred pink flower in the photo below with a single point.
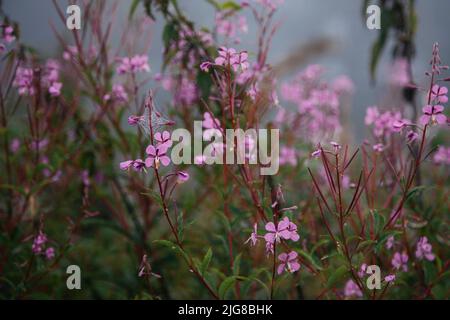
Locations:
(24, 81)
(55, 89)
(424, 249)
(182, 176)
(253, 236)
(288, 156)
(50, 253)
(390, 278)
(8, 35)
(137, 63)
(442, 156)
(400, 260)
(352, 290)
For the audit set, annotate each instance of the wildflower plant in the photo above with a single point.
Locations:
(89, 176)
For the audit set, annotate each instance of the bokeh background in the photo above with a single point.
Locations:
(301, 21)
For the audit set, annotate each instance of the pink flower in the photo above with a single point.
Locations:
(134, 120)
(253, 236)
(137, 63)
(284, 230)
(400, 260)
(24, 81)
(275, 234)
(439, 94)
(288, 156)
(362, 270)
(379, 147)
(157, 156)
(411, 136)
(389, 278)
(163, 138)
(398, 125)
(316, 153)
(372, 114)
(8, 34)
(50, 253)
(442, 156)
(209, 122)
(399, 76)
(423, 249)
(343, 84)
(138, 165)
(352, 290)
(55, 89)
(39, 242)
(182, 176)
(204, 66)
(118, 94)
(289, 262)
(390, 242)
(15, 145)
(433, 113)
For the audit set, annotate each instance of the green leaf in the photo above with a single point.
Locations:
(169, 34)
(311, 259)
(237, 264)
(230, 5)
(205, 263)
(338, 273)
(226, 285)
(133, 8)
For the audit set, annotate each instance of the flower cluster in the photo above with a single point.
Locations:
(38, 246)
(132, 65)
(7, 37)
(50, 78)
(24, 81)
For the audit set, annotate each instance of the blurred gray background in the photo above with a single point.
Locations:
(302, 21)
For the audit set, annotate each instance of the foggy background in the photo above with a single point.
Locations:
(302, 21)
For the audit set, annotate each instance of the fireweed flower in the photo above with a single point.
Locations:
(205, 66)
(400, 260)
(15, 145)
(433, 113)
(372, 114)
(316, 153)
(390, 242)
(439, 94)
(411, 136)
(285, 229)
(352, 290)
(157, 156)
(24, 81)
(55, 89)
(8, 35)
(137, 63)
(362, 270)
(182, 176)
(379, 147)
(163, 138)
(288, 262)
(138, 165)
(39, 242)
(50, 253)
(288, 156)
(423, 249)
(442, 156)
(253, 236)
(389, 278)
(210, 122)
(118, 94)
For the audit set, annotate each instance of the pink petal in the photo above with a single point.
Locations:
(285, 234)
(441, 119)
(280, 268)
(424, 119)
(125, 164)
(166, 135)
(269, 237)
(162, 149)
(294, 236)
(427, 109)
(295, 266)
(438, 108)
(270, 227)
(158, 136)
(149, 162)
(151, 151)
(292, 255)
(283, 257)
(165, 160)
